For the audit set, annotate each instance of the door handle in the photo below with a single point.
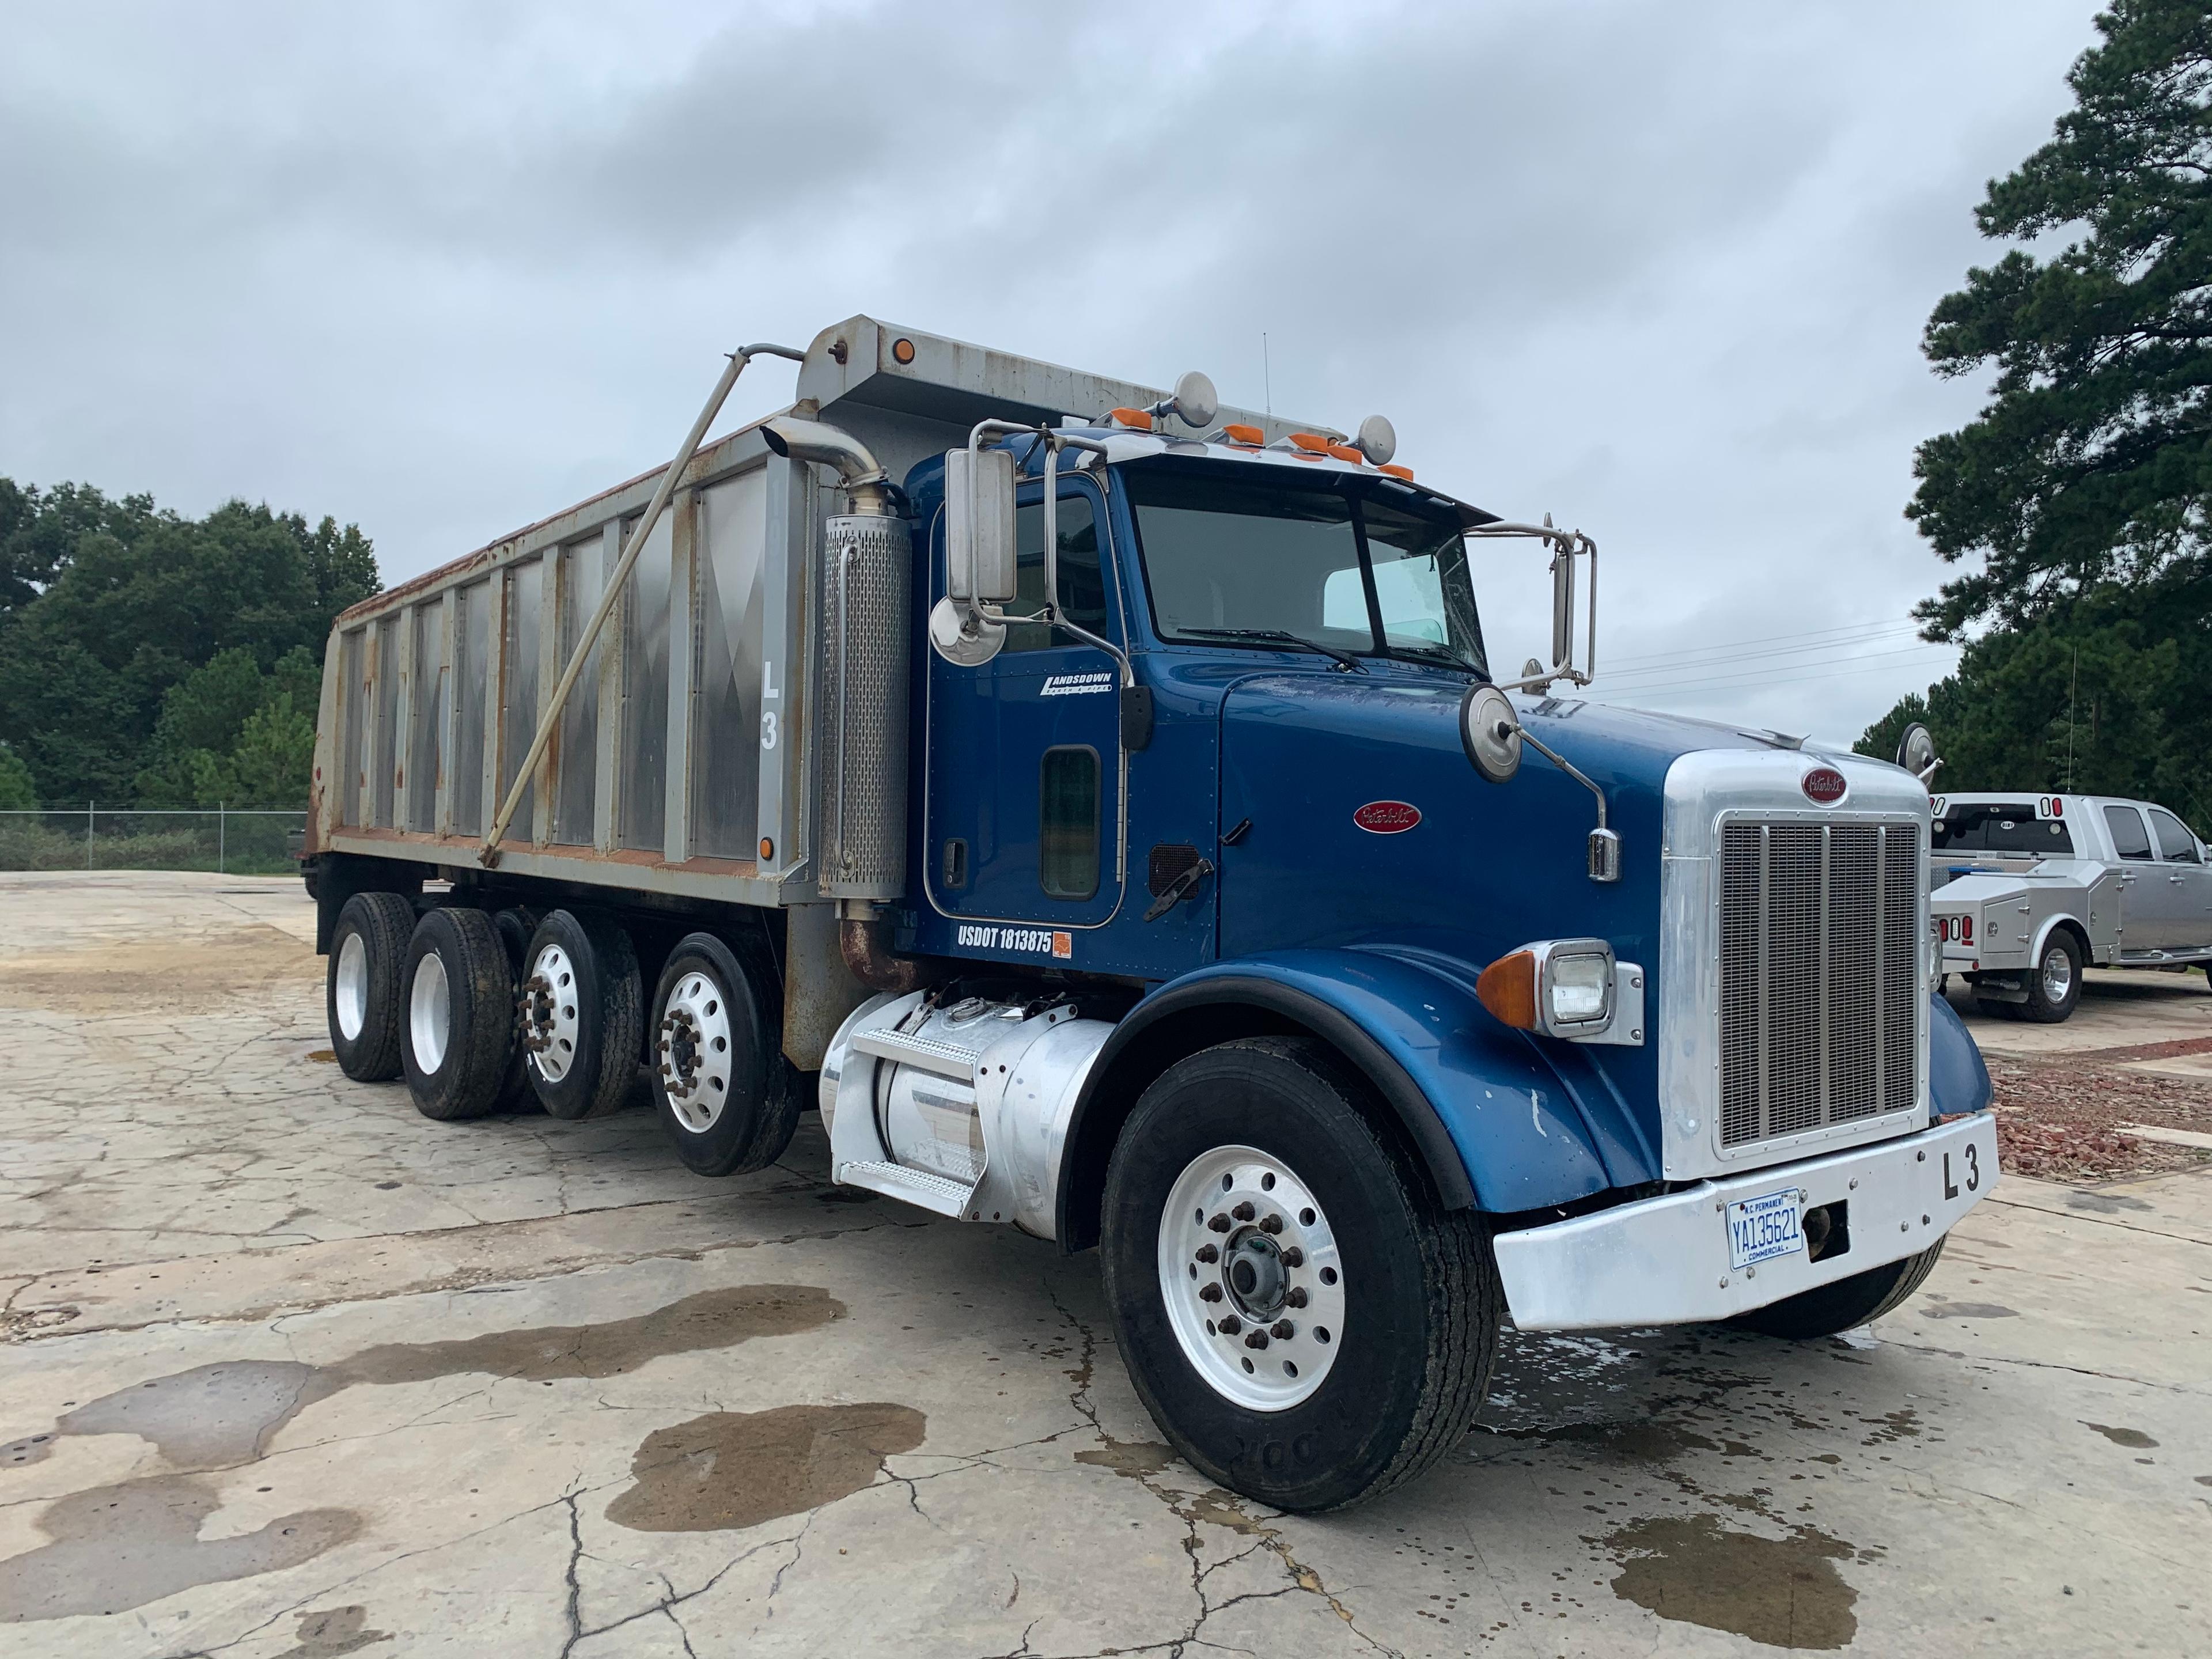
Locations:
(2176, 880)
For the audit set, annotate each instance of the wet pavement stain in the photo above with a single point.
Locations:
(1133, 1458)
(221, 1415)
(2134, 1439)
(1784, 1592)
(728, 1470)
(1968, 1310)
(112, 1548)
(329, 1631)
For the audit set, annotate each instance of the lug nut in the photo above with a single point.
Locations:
(1207, 1253)
(1297, 1299)
(1294, 1257)
(1209, 1293)
(1230, 1324)
(1284, 1330)
(1219, 1223)
(1271, 1223)
(1244, 1212)
(1256, 1338)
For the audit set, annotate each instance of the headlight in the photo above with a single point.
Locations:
(1563, 987)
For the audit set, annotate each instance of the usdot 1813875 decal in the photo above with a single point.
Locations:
(1055, 942)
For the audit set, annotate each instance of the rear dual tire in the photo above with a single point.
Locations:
(583, 1016)
(461, 1040)
(364, 985)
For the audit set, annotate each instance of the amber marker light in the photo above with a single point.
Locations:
(1134, 417)
(903, 350)
(1238, 434)
(1508, 988)
(767, 848)
(1405, 473)
(1346, 452)
(1312, 443)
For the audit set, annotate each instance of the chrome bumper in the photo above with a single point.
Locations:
(1665, 1261)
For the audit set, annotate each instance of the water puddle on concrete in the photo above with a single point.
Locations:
(2134, 1439)
(330, 1632)
(1133, 1458)
(1784, 1592)
(728, 1470)
(123, 1545)
(116, 1547)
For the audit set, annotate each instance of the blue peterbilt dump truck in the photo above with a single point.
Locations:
(1107, 809)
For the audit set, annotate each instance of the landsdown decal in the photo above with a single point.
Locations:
(1387, 817)
(1076, 685)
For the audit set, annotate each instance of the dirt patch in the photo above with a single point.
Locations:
(116, 1547)
(157, 973)
(2058, 1119)
(729, 1470)
(1784, 1592)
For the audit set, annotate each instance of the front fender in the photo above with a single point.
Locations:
(1958, 1080)
(1492, 1117)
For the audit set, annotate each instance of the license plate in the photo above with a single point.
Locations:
(1759, 1229)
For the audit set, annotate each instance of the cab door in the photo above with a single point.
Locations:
(2182, 885)
(1024, 804)
(2142, 917)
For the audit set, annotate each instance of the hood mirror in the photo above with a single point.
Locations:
(1916, 751)
(1491, 733)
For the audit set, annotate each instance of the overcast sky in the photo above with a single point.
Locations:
(440, 270)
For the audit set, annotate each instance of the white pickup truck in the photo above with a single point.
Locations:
(2030, 889)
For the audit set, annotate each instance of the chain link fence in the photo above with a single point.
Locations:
(233, 841)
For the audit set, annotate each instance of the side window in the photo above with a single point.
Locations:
(2175, 844)
(1067, 819)
(2128, 839)
(1082, 582)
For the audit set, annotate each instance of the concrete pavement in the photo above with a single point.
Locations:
(288, 1370)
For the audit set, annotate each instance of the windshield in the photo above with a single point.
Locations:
(1357, 566)
(2000, 829)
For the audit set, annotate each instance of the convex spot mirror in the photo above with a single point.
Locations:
(1491, 733)
(1916, 749)
(1195, 403)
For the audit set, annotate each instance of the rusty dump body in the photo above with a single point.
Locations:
(688, 765)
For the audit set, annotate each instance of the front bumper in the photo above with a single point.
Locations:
(1665, 1261)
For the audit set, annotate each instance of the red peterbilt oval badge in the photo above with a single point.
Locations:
(1824, 786)
(1387, 817)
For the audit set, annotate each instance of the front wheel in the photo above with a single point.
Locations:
(1304, 1323)
(1845, 1304)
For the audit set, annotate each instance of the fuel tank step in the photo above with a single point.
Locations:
(947, 1197)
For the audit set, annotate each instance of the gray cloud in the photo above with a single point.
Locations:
(1660, 271)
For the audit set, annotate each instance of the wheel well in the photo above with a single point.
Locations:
(1129, 1068)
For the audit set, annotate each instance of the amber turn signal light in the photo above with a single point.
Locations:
(1237, 433)
(1508, 988)
(767, 848)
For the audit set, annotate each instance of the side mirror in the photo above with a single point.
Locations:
(979, 527)
(1562, 606)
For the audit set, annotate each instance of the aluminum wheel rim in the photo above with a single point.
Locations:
(549, 1013)
(352, 999)
(429, 1013)
(2057, 975)
(1246, 1253)
(695, 1052)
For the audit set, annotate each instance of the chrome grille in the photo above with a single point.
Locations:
(1819, 960)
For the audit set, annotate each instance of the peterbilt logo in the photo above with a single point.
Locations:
(1387, 817)
(1824, 786)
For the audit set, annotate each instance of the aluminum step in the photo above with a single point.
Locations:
(931, 1192)
(931, 1055)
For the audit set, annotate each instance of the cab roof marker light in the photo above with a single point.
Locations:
(1346, 452)
(1396, 471)
(1137, 419)
(1312, 442)
(1250, 436)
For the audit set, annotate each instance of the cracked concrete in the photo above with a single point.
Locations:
(286, 1371)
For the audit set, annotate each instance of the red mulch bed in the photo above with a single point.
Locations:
(2058, 1119)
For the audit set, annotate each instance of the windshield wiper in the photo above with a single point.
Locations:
(1437, 653)
(1278, 636)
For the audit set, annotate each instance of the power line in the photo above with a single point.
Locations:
(1773, 639)
(1744, 681)
(1808, 653)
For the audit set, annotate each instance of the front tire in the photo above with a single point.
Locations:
(1845, 1304)
(1310, 1373)
(583, 1016)
(461, 1036)
(2055, 985)
(362, 984)
(720, 1082)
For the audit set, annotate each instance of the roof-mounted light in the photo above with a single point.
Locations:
(1250, 436)
(1137, 419)
(1347, 454)
(1405, 473)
